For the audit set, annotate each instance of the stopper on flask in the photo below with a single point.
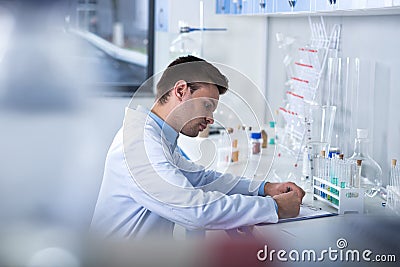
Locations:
(359, 161)
(341, 156)
(394, 162)
(322, 153)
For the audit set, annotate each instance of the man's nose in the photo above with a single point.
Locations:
(210, 120)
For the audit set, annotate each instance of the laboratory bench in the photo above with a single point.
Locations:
(377, 229)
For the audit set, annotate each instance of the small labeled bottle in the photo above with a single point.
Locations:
(256, 143)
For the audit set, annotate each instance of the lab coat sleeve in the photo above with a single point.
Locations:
(210, 180)
(161, 187)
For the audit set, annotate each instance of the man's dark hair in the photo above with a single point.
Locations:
(195, 71)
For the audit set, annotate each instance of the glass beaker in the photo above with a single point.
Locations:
(319, 123)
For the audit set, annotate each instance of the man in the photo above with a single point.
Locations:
(148, 186)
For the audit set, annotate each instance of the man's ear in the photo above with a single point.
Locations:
(180, 89)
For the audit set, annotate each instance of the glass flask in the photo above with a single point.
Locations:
(371, 172)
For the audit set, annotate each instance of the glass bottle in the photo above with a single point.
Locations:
(371, 172)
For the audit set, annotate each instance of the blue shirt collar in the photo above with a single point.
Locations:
(167, 131)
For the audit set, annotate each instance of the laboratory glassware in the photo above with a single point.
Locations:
(393, 189)
(334, 96)
(224, 152)
(304, 78)
(394, 180)
(371, 172)
(320, 120)
(356, 181)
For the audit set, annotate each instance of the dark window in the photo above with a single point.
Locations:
(116, 40)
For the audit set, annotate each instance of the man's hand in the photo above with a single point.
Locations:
(274, 189)
(288, 204)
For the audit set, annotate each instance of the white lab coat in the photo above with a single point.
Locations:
(148, 187)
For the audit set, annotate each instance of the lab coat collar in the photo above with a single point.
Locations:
(167, 131)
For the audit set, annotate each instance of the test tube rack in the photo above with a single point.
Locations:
(344, 200)
(393, 199)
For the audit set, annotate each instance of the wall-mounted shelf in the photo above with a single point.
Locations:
(281, 8)
(351, 12)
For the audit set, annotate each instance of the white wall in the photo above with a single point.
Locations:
(241, 48)
(249, 45)
(373, 38)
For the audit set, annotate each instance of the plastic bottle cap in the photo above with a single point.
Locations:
(362, 133)
(272, 124)
(256, 135)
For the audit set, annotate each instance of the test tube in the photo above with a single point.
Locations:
(327, 176)
(321, 170)
(342, 174)
(394, 176)
(357, 175)
(350, 165)
(332, 173)
(333, 177)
